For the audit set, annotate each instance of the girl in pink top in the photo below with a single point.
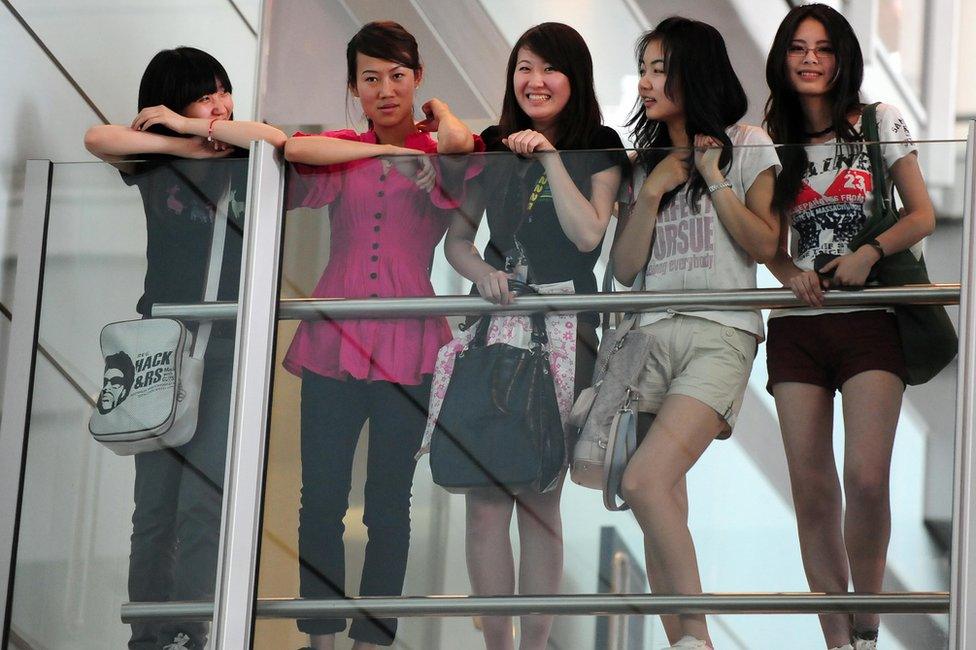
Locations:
(386, 217)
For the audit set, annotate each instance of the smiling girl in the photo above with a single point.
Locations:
(186, 110)
(547, 215)
(824, 195)
(700, 220)
(386, 216)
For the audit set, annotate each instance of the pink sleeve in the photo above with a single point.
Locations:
(313, 186)
(450, 199)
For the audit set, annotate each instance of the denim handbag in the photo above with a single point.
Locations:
(499, 425)
(928, 339)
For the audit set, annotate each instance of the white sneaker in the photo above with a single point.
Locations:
(180, 642)
(865, 644)
(689, 642)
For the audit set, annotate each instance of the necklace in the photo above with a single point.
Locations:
(817, 134)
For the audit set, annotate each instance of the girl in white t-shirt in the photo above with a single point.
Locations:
(700, 219)
(824, 195)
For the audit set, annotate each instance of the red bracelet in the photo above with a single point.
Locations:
(210, 129)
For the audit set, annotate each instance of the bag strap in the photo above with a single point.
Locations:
(884, 196)
(630, 319)
(540, 337)
(214, 264)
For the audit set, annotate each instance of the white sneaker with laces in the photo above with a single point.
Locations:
(689, 642)
(865, 644)
(180, 642)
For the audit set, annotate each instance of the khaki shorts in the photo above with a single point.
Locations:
(697, 358)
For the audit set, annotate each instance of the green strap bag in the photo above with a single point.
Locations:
(928, 339)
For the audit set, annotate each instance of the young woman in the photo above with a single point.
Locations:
(824, 194)
(387, 215)
(185, 111)
(700, 220)
(547, 213)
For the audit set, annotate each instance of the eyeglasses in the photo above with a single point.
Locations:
(821, 51)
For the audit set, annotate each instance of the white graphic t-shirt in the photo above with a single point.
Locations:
(836, 196)
(693, 250)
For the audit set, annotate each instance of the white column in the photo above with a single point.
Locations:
(962, 610)
(253, 367)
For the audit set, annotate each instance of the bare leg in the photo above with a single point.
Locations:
(806, 421)
(491, 567)
(322, 641)
(653, 487)
(671, 622)
(872, 403)
(363, 645)
(541, 558)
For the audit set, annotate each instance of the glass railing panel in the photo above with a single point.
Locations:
(330, 377)
(98, 529)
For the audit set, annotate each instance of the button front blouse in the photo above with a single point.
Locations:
(383, 233)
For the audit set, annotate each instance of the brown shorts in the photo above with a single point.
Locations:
(828, 349)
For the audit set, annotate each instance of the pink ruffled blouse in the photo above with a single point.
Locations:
(383, 233)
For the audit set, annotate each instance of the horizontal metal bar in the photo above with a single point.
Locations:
(342, 308)
(577, 604)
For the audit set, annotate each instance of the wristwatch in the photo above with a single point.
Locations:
(717, 186)
(876, 246)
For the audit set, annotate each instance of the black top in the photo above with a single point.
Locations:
(519, 204)
(180, 198)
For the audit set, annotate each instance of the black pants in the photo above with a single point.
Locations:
(333, 414)
(176, 522)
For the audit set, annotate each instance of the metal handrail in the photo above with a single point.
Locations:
(342, 308)
(574, 604)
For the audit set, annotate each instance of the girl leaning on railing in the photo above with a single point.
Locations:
(691, 178)
(825, 195)
(389, 207)
(186, 110)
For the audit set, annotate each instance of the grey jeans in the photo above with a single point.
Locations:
(176, 522)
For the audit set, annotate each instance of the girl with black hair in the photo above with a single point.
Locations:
(389, 206)
(547, 214)
(824, 195)
(700, 220)
(185, 111)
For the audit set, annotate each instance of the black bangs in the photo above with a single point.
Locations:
(178, 77)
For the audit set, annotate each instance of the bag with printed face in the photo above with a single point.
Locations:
(150, 386)
(153, 372)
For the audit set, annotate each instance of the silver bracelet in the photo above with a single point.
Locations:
(717, 186)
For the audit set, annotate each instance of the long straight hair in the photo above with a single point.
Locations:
(562, 47)
(176, 78)
(784, 118)
(701, 77)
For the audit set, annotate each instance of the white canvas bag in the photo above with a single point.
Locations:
(153, 373)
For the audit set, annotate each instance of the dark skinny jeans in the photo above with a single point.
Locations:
(333, 414)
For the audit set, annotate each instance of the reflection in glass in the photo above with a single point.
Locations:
(742, 518)
(107, 246)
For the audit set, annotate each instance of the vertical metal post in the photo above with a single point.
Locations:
(20, 371)
(253, 366)
(962, 609)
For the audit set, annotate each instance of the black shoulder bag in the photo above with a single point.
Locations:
(928, 339)
(499, 425)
